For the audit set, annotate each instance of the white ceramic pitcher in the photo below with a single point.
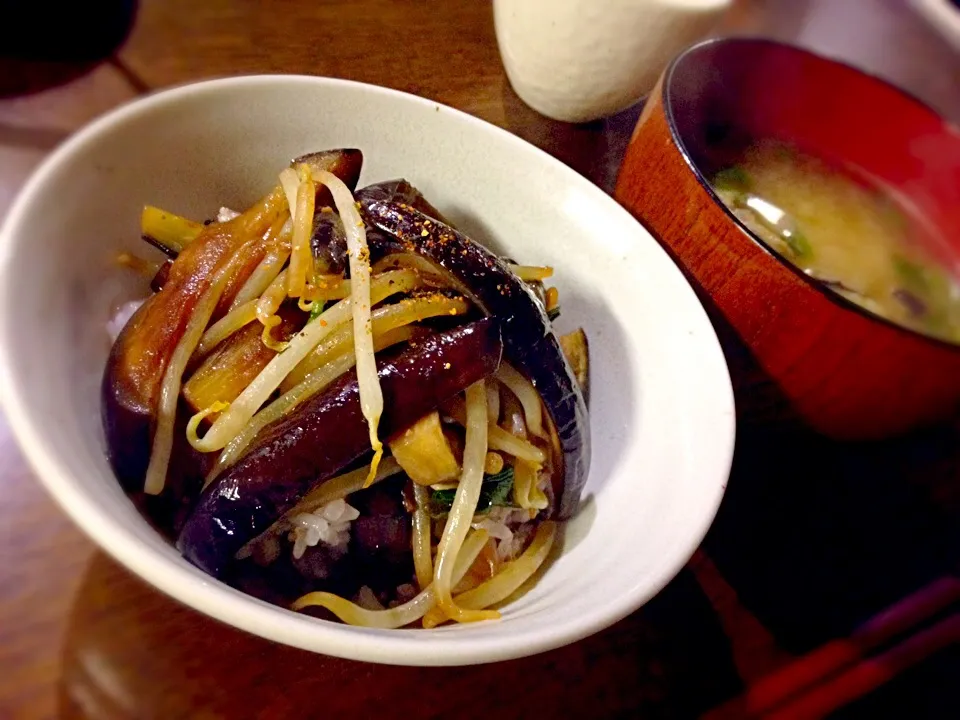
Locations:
(579, 60)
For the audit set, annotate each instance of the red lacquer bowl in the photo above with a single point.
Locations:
(797, 351)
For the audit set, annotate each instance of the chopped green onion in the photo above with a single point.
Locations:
(316, 310)
(553, 313)
(798, 243)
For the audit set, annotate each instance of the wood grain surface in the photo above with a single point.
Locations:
(82, 638)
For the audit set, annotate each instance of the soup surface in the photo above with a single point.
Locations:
(854, 237)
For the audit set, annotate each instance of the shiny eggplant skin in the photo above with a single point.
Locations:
(528, 338)
(402, 191)
(576, 348)
(138, 359)
(161, 276)
(326, 434)
(345, 163)
(329, 243)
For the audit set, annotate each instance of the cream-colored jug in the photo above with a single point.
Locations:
(579, 60)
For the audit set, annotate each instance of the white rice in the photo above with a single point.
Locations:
(226, 214)
(367, 599)
(509, 527)
(121, 317)
(329, 524)
(404, 593)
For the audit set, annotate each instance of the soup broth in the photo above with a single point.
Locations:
(853, 237)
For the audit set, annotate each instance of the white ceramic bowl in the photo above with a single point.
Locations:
(662, 408)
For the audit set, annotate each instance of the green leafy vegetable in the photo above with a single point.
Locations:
(497, 490)
(733, 178)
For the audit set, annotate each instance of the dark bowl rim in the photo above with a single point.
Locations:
(817, 285)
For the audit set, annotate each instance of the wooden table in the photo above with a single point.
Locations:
(82, 638)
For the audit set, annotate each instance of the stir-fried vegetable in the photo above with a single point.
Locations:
(230, 423)
(577, 351)
(404, 614)
(371, 396)
(531, 273)
(167, 231)
(424, 452)
(507, 581)
(301, 257)
(234, 363)
(265, 273)
(383, 320)
(296, 453)
(296, 338)
(463, 507)
(529, 342)
(496, 490)
(237, 318)
(527, 395)
(422, 545)
(290, 402)
(156, 474)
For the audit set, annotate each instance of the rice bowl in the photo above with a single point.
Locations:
(663, 430)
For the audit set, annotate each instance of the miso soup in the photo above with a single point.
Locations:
(852, 236)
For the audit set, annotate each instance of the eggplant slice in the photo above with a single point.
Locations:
(327, 433)
(138, 359)
(528, 338)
